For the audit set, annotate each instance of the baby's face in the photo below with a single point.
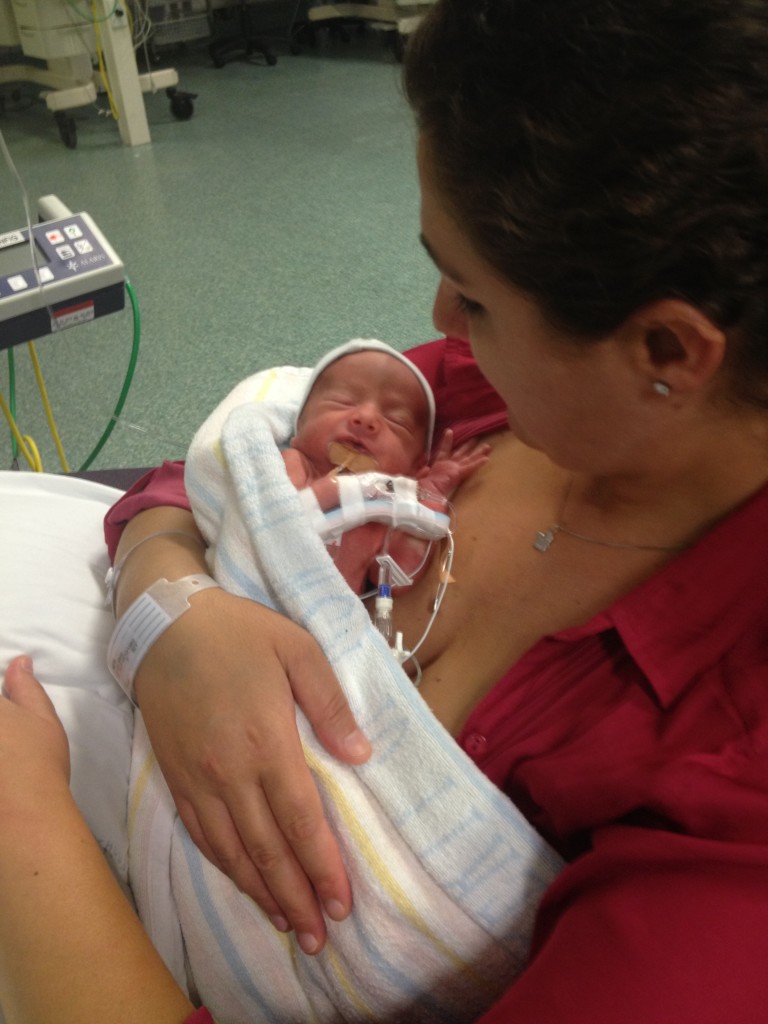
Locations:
(369, 402)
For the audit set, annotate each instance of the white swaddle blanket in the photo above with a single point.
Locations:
(446, 873)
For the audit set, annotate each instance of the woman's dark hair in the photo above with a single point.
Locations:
(602, 154)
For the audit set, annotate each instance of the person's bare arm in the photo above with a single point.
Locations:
(71, 947)
(217, 693)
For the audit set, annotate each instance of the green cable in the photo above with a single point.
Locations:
(88, 17)
(126, 383)
(12, 398)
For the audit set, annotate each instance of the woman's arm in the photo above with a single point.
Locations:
(217, 692)
(163, 485)
(71, 947)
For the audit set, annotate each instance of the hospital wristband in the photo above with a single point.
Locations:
(147, 619)
(113, 573)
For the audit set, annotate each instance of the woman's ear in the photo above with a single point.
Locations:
(678, 345)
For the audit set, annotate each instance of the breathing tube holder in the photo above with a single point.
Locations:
(380, 498)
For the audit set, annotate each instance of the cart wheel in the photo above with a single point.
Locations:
(182, 103)
(182, 108)
(67, 129)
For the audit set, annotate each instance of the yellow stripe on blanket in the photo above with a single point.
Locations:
(379, 868)
(139, 788)
(343, 978)
(265, 384)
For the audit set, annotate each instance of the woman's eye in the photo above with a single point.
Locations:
(467, 306)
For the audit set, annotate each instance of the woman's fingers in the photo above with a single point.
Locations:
(34, 752)
(21, 687)
(224, 849)
(316, 690)
(273, 841)
(218, 693)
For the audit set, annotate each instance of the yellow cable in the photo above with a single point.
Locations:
(47, 406)
(27, 446)
(102, 67)
(37, 462)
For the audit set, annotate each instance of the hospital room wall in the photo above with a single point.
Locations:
(280, 220)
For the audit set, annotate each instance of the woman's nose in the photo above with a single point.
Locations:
(447, 315)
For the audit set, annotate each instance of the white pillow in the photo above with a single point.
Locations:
(53, 560)
(52, 565)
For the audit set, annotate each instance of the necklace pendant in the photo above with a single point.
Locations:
(544, 539)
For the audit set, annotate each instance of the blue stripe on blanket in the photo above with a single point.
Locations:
(219, 930)
(238, 582)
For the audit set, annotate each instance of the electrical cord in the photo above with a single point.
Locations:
(27, 212)
(126, 381)
(12, 410)
(100, 57)
(25, 444)
(143, 27)
(445, 579)
(91, 17)
(47, 405)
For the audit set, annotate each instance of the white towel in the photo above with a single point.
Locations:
(446, 873)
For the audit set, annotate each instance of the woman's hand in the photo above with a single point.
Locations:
(34, 752)
(217, 693)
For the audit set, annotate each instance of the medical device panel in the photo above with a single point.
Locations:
(68, 275)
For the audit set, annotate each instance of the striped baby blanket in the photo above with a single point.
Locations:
(446, 873)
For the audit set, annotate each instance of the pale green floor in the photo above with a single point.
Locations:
(280, 220)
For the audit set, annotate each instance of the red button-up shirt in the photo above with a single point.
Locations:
(638, 744)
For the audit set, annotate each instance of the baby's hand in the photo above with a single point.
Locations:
(452, 466)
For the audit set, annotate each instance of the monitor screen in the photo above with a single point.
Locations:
(15, 258)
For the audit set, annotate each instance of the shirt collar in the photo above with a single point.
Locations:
(682, 619)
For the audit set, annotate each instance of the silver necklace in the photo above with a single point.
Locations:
(545, 538)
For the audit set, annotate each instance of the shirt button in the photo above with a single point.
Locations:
(475, 744)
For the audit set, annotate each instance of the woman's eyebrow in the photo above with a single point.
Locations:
(456, 278)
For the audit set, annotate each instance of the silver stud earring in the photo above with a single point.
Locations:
(661, 388)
